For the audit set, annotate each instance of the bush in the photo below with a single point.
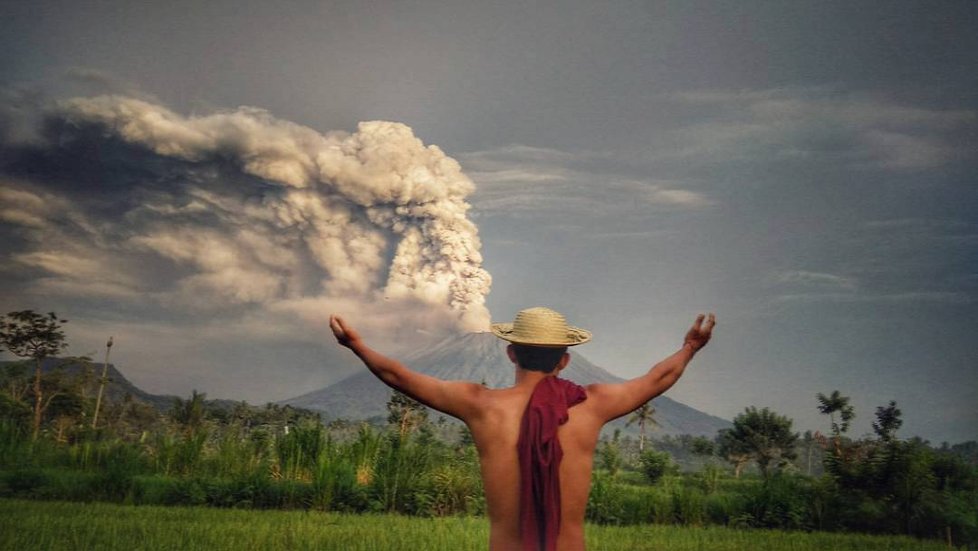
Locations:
(454, 488)
(655, 465)
(709, 477)
(150, 490)
(779, 502)
(605, 504)
(50, 484)
(402, 482)
(689, 505)
(663, 506)
(723, 508)
(14, 413)
(336, 488)
(823, 503)
(23, 483)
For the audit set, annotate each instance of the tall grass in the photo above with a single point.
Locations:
(31, 526)
(360, 470)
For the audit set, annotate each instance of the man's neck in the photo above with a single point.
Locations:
(525, 377)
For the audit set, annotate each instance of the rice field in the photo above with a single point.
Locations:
(28, 525)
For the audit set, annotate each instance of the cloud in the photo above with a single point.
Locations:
(809, 286)
(802, 278)
(897, 151)
(804, 287)
(521, 175)
(677, 197)
(819, 125)
(243, 215)
(26, 208)
(909, 297)
(519, 180)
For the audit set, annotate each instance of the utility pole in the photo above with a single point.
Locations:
(102, 381)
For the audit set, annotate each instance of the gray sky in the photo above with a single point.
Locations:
(806, 170)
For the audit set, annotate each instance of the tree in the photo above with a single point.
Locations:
(887, 422)
(405, 413)
(813, 441)
(734, 450)
(66, 410)
(15, 380)
(701, 445)
(27, 334)
(610, 454)
(101, 382)
(189, 414)
(643, 415)
(130, 418)
(763, 436)
(836, 403)
(655, 465)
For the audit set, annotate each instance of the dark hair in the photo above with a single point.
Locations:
(538, 358)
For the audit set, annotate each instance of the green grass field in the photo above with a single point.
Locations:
(26, 525)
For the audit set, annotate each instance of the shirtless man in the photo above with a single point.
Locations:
(494, 415)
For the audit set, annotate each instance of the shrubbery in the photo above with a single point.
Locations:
(655, 465)
(282, 459)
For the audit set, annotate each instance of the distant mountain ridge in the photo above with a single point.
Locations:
(481, 358)
(118, 386)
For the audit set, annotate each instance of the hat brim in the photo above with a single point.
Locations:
(575, 336)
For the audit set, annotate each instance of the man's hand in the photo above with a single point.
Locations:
(344, 334)
(613, 400)
(699, 334)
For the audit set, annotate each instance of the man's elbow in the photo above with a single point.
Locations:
(393, 378)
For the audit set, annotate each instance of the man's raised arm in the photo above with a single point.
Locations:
(455, 398)
(614, 400)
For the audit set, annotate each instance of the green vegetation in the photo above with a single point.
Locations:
(27, 334)
(644, 416)
(232, 455)
(54, 525)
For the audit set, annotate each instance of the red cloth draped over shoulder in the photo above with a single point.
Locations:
(540, 454)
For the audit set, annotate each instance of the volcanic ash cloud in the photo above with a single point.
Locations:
(243, 210)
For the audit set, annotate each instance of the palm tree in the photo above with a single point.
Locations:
(643, 415)
(189, 414)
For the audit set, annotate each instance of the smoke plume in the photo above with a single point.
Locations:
(242, 213)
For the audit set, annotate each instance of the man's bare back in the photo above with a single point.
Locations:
(494, 418)
(496, 433)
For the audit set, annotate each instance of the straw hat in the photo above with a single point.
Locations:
(540, 327)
